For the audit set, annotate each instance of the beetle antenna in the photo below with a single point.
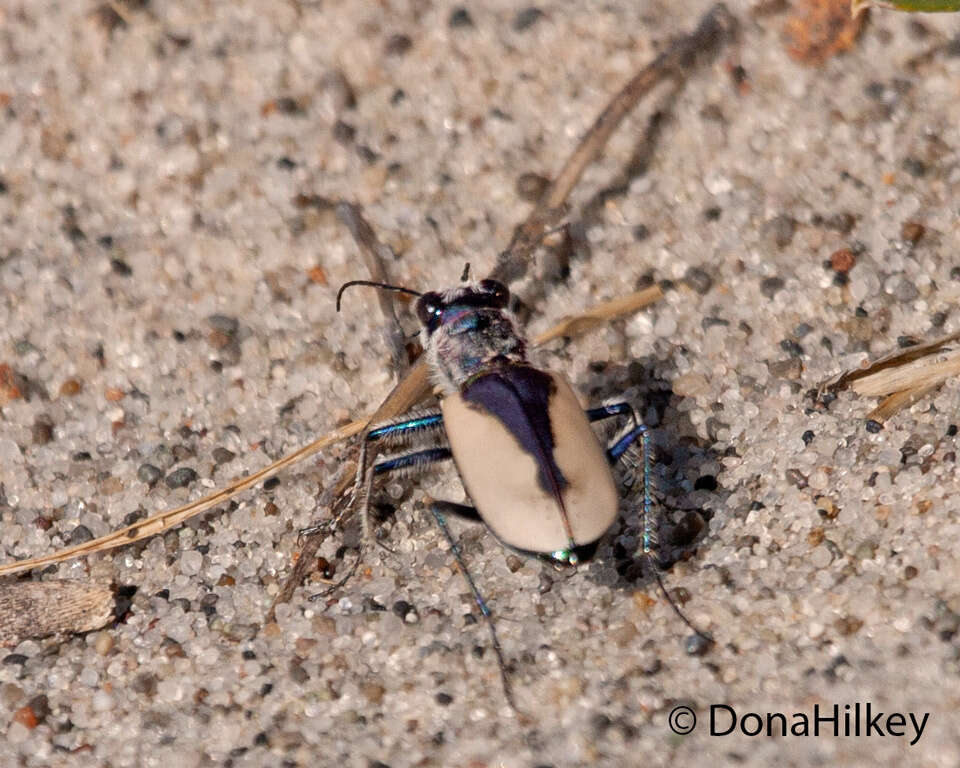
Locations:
(374, 284)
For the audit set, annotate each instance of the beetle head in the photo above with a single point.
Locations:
(435, 309)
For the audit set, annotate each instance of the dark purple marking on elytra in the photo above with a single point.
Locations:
(519, 397)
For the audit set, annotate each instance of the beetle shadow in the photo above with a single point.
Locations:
(685, 477)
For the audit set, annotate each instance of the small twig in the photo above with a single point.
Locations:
(715, 27)
(377, 254)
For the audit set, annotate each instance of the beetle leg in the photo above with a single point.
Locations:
(404, 465)
(437, 509)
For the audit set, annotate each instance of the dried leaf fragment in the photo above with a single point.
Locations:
(31, 609)
(820, 29)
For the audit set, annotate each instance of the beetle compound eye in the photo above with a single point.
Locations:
(498, 292)
(428, 309)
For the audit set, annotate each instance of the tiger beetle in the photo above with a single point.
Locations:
(537, 474)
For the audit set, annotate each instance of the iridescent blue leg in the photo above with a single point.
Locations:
(619, 450)
(437, 508)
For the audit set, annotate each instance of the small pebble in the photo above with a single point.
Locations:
(698, 279)
(912, 231)
(770, 285)
(780, 229)
(459, 17)
(697, 645)
(42, 430)
(915, 167)
(526, 18)
(190, 562)
(398, 45)
(181, 478)
(843, 260)
(149, 474)
(531, 186)
(79, 535)
(335, 84)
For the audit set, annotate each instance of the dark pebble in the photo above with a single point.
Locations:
(912, 231)
(398, 96)
(955, 273)
(905, 342)
(770, 285)
(79, 535)
(698, 279)
(697, 645)
(802, 330)
(705, 483)
(366, 154)
(222, 455)
(791, 347)
(288, 105)
(939, 319)
(443, 699)
(709, 322)
(270, 483)
(840, 222)
(531, 186)
(915, 167)
(120, 267)
(713, 213)
(796, 478)
(297, 673)
(286, 164)
(40, 705)
(641, 232)
(873, 426)
(180, 478)
(526, 18)
(3, 186)
(807, 437)
(149, 474)
(860, 312)
(459, 17)
(132, 517)
(249, 655)
(398, 45)
(145, 683)
(42, 431)
(952, 430)
(12, 659)
(81, 456)
(343, 132)
(225, 324)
